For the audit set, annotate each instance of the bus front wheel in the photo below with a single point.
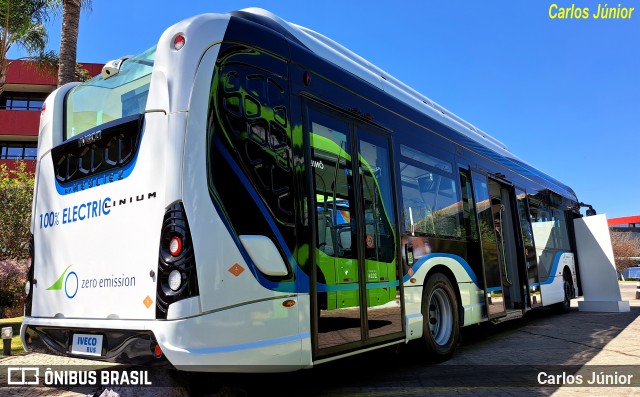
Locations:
(441, 329)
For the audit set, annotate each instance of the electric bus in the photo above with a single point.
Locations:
(248, 195)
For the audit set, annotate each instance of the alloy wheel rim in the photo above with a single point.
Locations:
(440, 317)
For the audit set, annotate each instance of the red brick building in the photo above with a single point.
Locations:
(20, 104)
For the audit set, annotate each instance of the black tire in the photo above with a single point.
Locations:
(564, 306)
(441, 328)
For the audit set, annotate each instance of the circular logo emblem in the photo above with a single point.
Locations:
(71, 285)
(369, 241)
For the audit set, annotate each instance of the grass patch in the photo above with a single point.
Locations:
(14, 323)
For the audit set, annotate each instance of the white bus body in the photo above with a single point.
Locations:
(99, 237)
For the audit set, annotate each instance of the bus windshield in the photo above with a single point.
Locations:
(101, 100)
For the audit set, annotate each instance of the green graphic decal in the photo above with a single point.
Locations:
(58, 284)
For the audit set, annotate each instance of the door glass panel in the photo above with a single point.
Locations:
(542, 227)
(511, 260)
(529, 250)
(489, 230)
(469, 214)
(336, 253)
(383, 300)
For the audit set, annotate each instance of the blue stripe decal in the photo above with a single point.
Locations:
(458, 259)
(301, 283)
(554, 269)
(494, 289)
(339, 287)
(101, 179)
(388, 284)
(251, 345)
(355, 286)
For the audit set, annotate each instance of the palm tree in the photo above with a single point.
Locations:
(22, 24)
(69, 38)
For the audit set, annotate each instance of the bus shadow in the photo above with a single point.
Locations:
(489, 357)
(543, 337)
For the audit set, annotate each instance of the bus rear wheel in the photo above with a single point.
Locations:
(564, 306)
(441, 329)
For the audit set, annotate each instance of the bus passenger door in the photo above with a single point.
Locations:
(489, 215)
(490, 212)
(378, 226)
(506, 239)
(355, 272)
(530, 257)
(337, 276)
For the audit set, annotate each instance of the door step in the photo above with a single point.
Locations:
(511, 315)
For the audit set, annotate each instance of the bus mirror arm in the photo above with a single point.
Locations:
(590, 211)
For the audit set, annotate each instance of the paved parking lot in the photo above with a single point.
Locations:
(492, 360)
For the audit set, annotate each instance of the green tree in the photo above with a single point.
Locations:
(626, 248)
(13, 274)
(16, 193)
(22, 24)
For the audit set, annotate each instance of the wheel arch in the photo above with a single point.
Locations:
(446, 271)
(568, 275)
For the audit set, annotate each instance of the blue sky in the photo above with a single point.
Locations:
(563, 95)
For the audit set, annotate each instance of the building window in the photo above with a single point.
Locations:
(18, 150)
(22, 100)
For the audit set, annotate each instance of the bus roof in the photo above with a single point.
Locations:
(355, 64)
(348, 60)
(476, 139)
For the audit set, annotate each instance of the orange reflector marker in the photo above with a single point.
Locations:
(289, 303)
(413, 280)
(236, 269)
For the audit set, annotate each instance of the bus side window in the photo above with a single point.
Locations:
(430, 202)
(542, 226)
(561, 234)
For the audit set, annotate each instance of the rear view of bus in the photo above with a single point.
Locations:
(116, 273)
